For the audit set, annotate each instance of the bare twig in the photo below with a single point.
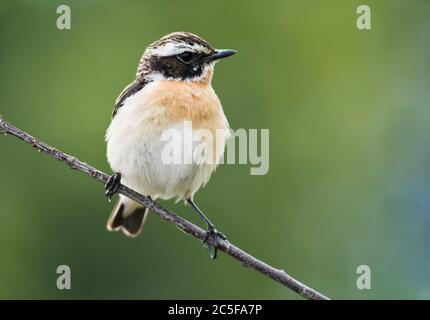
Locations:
(245, 258)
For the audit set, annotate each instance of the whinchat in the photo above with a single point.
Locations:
(172, 86)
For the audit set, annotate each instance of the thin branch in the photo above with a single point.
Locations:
(245, 258)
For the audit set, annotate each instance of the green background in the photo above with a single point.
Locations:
(349, 179)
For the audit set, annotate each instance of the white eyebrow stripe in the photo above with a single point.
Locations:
(175, 48)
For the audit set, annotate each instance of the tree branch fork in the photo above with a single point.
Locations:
(228, 248)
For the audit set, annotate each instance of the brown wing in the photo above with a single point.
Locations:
(130, 90)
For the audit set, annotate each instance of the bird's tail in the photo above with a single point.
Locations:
(128, 216)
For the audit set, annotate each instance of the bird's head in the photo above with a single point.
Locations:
(180, 56)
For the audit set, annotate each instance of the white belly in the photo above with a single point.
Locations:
(135, 149)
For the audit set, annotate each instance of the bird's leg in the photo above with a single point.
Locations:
(211, 230)
(112, 185)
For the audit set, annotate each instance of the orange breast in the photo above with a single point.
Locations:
(195, 101)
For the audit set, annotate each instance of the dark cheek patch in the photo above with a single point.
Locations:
(171, 67)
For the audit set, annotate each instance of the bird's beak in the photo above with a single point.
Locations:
(219, 54)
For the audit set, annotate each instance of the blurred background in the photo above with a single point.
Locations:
(349, 179)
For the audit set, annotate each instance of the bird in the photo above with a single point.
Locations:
(172, 87)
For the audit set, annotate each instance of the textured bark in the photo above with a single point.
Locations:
(223, 245)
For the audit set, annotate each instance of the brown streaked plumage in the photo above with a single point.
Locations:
(172, 87)
(150, 62)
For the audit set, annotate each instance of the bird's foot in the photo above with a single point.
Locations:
(112, 185)
(214, 235)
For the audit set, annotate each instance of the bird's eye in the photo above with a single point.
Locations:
(185, 57)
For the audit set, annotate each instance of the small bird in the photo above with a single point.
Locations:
(172, 86)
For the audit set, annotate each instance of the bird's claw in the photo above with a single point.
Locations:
(112, 185)
(215, 235)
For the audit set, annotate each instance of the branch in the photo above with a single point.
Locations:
(245, 258)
